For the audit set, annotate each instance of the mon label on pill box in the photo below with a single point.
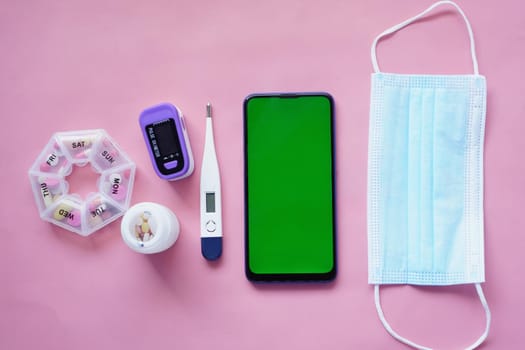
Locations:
(167, 141)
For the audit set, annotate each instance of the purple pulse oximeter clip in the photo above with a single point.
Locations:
(167, 141)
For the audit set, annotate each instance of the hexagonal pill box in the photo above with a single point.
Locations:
(50, 187)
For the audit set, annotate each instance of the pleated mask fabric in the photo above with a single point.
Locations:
(425, 178)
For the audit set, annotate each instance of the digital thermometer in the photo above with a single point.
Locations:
(210, 196)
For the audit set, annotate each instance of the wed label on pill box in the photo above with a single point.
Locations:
(66, 214)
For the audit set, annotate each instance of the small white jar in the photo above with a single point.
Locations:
(149, 228)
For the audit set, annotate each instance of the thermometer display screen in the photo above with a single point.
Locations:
(210, 202)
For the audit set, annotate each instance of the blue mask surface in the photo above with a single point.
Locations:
(425, 179)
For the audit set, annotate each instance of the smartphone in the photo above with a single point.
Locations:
(289, 187)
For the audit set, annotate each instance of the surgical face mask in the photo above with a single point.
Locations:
(425, 179)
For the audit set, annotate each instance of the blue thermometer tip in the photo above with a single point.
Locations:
(211, 247)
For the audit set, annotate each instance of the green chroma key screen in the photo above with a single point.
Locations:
(289, 187)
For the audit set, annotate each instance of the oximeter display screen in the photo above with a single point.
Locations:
(166, 135)
(165, 145)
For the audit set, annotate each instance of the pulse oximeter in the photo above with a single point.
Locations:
(167, 141)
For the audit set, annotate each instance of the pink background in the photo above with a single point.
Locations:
(73, 65)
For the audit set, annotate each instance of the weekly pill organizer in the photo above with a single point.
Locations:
(50, 187)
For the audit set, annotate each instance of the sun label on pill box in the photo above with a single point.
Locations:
(109, 156)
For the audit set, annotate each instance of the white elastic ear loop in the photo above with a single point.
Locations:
(403, 340)
(410, 20)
